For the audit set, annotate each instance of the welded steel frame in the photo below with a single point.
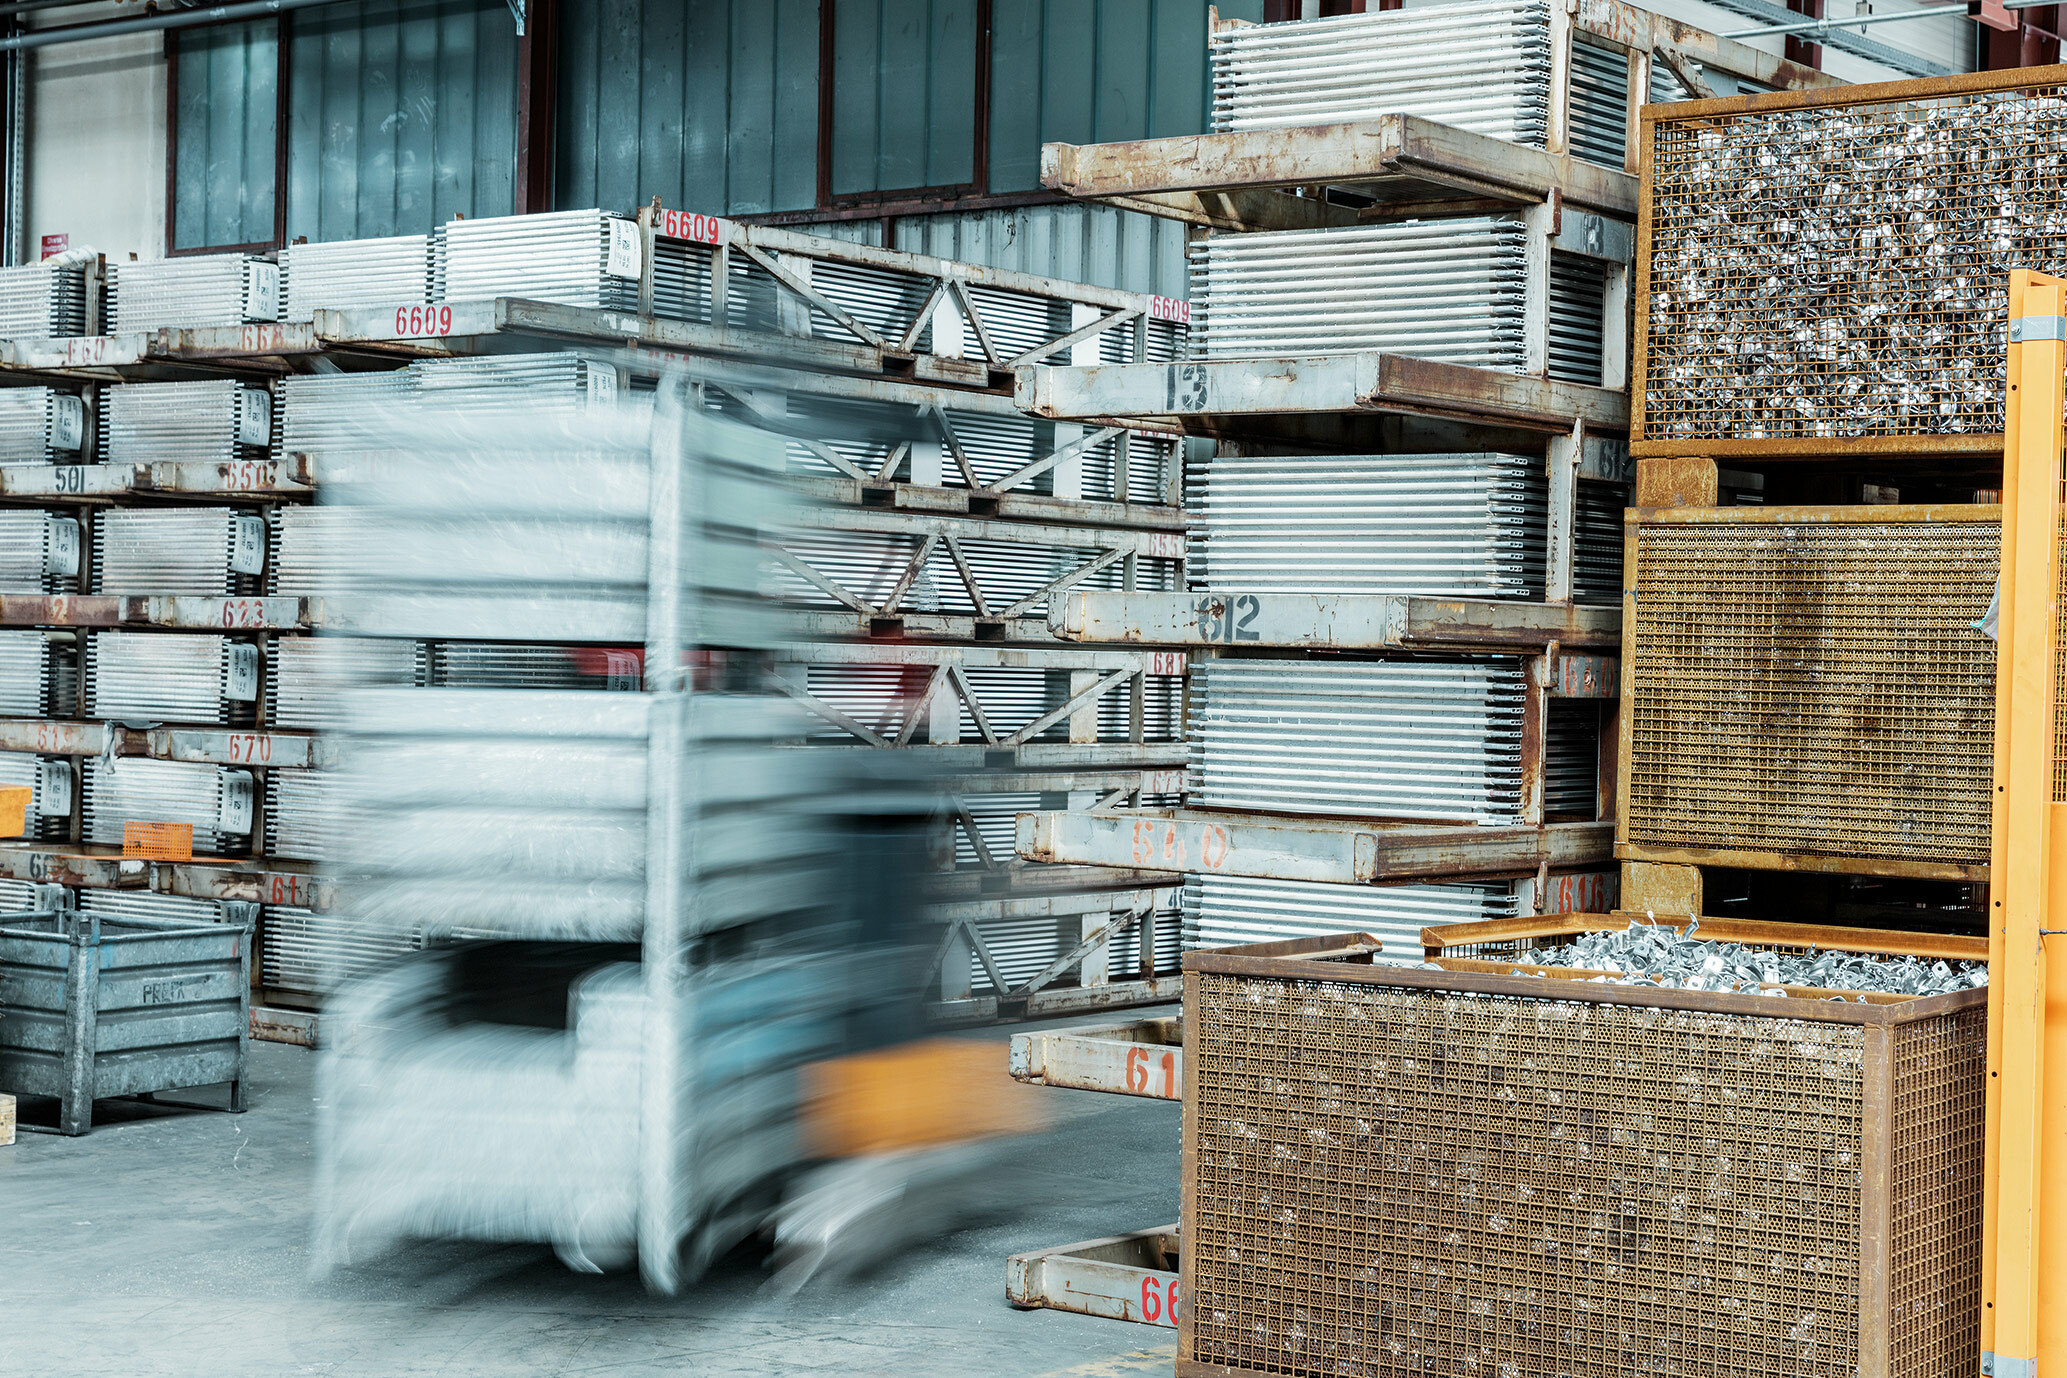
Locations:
(1637, 518)
(1401, 165)
(1128, 1277)
(1217, 618)
(1722, 109)
(1144, 1057)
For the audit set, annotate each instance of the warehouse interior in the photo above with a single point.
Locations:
(1075, 687)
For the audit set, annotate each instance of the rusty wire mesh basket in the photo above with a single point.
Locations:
(1394, 1171)
(1805, 688)
(1825, 272)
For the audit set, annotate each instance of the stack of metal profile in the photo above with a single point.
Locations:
(1227, 911)
(307, 676)
(1447, 290)
(50, 780)
(206, 552)
(192, 292)
(213, 420)
(348, 273)
(38, 674)
(39, 553)
(323, 413)
(1482, 66)
(43, 301)
(149, 904)
(312, 952)
(1463, 525)
(307, 811)
(508, 665)
(1571, 758)
(40, 426)
(562, 256)
(492, 383)
(1377, 739)
(153, 677)
(215, 800)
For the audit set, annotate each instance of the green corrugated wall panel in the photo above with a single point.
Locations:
(708, 104)
(404, 115)
(904, 94)
(225, 120)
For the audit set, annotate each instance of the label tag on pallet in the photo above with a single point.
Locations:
(63, 559)
(233, 809)
(626, 258)
(54, 788)
(240, 673)
(67, 421)
(248, 545)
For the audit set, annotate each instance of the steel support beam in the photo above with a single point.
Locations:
(1144, 1058)
(1376, 621)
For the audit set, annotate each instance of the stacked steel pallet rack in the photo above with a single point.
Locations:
(945, 521)
(1410, 346)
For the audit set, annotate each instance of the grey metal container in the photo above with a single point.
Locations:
(93, 1006)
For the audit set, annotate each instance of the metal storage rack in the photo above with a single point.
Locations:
(982, 517)
(1570, 192)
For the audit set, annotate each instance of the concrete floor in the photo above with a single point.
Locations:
(174, 1243)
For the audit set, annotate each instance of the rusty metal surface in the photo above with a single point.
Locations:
(1425, 1172)
(1128, 1277)
(1808, 683)
(1144, 1058)
(1785, 306)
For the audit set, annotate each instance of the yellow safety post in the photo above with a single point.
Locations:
(2024, 1239)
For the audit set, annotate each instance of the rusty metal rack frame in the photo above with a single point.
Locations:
(212, 745)
(1339, 622)
(1926, 643)
(1717, 115)
(1903, 1279)
(1127, 1277)
(1143, 1058)
(1399, 165)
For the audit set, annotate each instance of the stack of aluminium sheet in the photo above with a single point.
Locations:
(216, 801)
(212, 420)
(308, 676)
(40, 426)
(43, 301)
(306, 812)
(160, 677)
(148, 904)
(573, 258)
(39, 673)
(205, 552)
(349, 273)
(1375, 739)
(39, 552)
(192, 292)
(322, 413)
(50, 780)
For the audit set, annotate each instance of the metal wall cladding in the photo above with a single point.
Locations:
(1813, 688)
(404, 113)
(307, 676)
(224, 133)
(28, 672)
(172, 551)
(312, 953)
(1465, 525)
(39, 553)
(348, 273)
(563, 257)
(1226, 911)
(40, 301)
(40, 426)
(1493, 1203)
(154, 676)
(1376, 739)
(217, 419)
(1097, 244)
(1784, 300)
(192, 292)
(1482, 66)
(320, 413)
(207, 797)
(1448, 290)
(51, 781)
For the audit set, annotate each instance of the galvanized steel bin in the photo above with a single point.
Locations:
(94, 1006)
(1410, 1171)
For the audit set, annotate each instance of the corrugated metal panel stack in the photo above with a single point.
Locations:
(192, 292)
(575, 258)
(40, 425)
(218, 420)
(349, 273)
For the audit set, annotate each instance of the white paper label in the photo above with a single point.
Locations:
(67, 421)
(255, 418)
(240, 673)
(602, 385)
(63, 556)
(54, 788)
(262, 291)
(626, 258)
(248, 545)
(233, 812)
